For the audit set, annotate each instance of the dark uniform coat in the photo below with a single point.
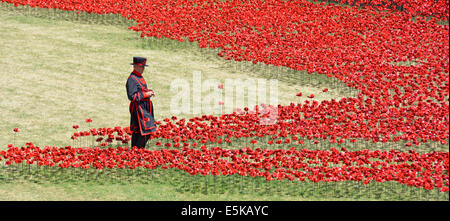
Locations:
(141, 107)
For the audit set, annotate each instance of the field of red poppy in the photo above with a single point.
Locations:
(382, 135)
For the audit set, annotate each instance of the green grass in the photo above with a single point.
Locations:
(50, 183)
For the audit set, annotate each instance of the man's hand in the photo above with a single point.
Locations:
(150, 93)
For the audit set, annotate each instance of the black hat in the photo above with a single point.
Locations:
(140, 61)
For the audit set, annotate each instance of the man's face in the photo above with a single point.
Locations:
(139, 69)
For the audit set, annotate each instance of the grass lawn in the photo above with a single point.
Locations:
(173, 185)
(118, 192)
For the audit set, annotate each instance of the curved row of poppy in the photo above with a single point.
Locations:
(428, 171)
(310, 120)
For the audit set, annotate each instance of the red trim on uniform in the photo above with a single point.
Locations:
(133, 126)
(143, 63)
(137, 73)
(143, 81)
(142, 113)
(139, 82)
(149, 132)
(143, 88)
(139, 120)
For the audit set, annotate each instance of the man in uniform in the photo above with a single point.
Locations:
(142, 121)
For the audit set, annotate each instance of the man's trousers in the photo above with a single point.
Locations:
(139, 140)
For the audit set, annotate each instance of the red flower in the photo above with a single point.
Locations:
(75, 127)
(88, 120)
(16, 130)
